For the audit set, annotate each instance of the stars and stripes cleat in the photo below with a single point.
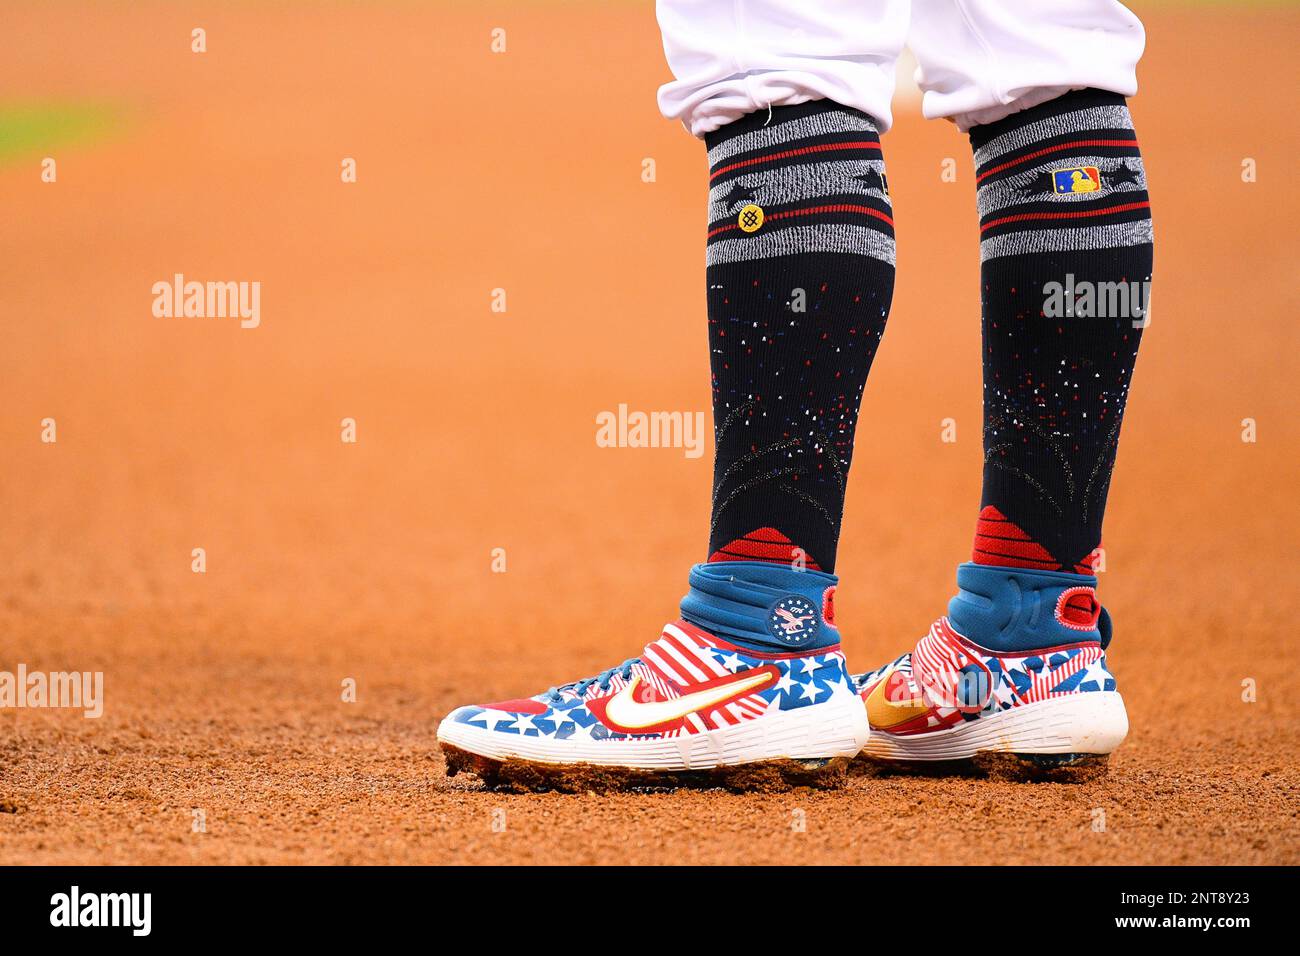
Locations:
(749, 690)
(1013, 680)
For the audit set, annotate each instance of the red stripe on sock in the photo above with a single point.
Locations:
(811, 211)
(1001, 542)
(1075, 214)
(763, 544)
(1030, 550)
(1089, 564)
(788, 153)
(998, 527)
(1009, 561)
(1055, 149)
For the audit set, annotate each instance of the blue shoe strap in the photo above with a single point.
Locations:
(1018, 609)
(757, 604)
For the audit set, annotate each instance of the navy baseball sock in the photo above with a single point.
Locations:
(800, 277)
(1066, 251)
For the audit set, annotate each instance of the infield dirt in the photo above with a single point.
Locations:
(329, 561)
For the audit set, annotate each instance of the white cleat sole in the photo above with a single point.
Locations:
(836, 728)
(1078, 726)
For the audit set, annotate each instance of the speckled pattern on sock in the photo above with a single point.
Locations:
(1066, 248)
(800, 278)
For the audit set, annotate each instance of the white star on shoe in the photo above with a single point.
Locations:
(524, 722)
(816, 664)
(810, 691)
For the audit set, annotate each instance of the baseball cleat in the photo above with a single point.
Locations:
(1013, 680)
(748, 690)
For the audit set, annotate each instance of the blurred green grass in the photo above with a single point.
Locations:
(37, 129)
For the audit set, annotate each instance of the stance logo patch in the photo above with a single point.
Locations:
(1076, 179)
(750, 218)
(793, 620)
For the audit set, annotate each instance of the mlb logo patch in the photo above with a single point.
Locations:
(1076, 179)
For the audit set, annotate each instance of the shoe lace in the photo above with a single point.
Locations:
(863, 679)
(602, 680)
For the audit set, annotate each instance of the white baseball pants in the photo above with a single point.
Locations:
(978, 60)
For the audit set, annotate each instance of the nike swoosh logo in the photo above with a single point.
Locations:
(887, 709)
(628, 713)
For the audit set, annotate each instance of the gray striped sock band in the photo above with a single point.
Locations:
(1066, 176)
(808, 179)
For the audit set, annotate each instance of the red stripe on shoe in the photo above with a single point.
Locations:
(520, 705)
